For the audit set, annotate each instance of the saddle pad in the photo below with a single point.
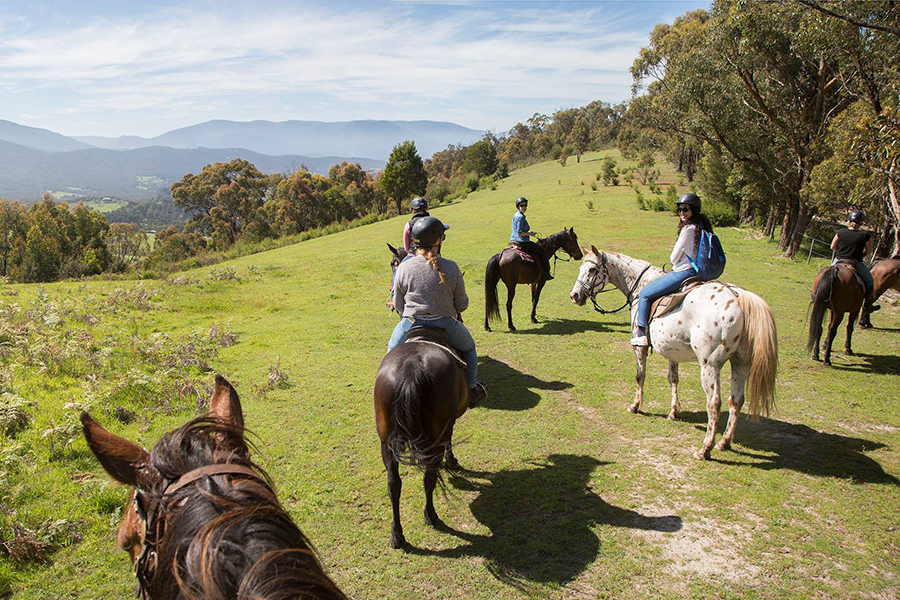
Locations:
(667, 304)
(852, 266)
(525, 255)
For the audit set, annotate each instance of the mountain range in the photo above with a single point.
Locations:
(34, 160)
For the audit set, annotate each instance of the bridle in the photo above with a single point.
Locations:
(603, 271)
(153, 518)
(553, 246)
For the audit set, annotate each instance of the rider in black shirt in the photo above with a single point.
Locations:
(851, 244)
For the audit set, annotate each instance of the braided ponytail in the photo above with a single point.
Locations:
(431, 256)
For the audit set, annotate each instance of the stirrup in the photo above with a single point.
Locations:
(477, 394)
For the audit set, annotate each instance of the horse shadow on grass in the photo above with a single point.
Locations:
(871, 363)
(509, 388)
(799, 448)
(570, 326)
(541, 521)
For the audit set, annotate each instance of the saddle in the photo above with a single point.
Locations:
(436, 336)
(526, 256)
(851, 264)
(667, 304)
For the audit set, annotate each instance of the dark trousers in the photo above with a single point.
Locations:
(538, 252)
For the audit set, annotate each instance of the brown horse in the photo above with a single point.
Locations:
(204, 521)
(509, 266)
(886, 274)
(837, 289)
(420, 392)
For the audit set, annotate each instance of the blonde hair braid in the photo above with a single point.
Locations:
(431, 256)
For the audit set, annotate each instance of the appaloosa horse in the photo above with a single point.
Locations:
(715, 323)
(509, 266)
(204, 521)
(886, 274)
(836, 288)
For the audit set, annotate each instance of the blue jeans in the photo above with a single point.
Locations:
(864, 274)
(459, 337)
(667, 284)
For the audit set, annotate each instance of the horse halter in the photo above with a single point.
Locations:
(154, 523)
(588, 286)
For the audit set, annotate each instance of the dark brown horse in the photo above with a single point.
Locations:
(204, 521)
(836, 288)
(420, 392)
(509, 266)
(886, 274)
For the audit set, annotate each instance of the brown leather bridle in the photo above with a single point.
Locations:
(146, 563)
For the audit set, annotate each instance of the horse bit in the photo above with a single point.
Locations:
(146, 563)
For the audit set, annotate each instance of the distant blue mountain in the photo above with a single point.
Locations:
(39, 139)
(374, 139)
(26, 173)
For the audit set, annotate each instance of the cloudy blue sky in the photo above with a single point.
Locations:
(143, 68)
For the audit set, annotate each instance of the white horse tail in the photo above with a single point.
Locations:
(762, 339)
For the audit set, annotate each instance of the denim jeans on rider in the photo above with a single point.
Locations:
(864, 274)
(667, 284)
(459, 337)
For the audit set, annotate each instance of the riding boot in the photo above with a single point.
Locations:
(547, 275)
(477, 394)
(870, 305)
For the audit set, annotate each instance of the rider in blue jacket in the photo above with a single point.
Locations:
(521, 231)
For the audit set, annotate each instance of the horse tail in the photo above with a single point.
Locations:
(491, 279)
(821, 298)
(762, 338)
(408, 442)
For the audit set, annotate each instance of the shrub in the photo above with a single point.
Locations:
(720, 214)
(471, 183)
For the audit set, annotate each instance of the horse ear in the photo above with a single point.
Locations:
(225, 404)
(594, 250)
(585, 250)
(393, 250)
(122, 459)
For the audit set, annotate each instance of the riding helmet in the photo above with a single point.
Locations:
(692, 200)
(521, 200)
(427, 231)
(856, 216)
(419, 204)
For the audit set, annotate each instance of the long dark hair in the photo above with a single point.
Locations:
(699, 219)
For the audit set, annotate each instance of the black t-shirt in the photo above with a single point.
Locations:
(851, 244)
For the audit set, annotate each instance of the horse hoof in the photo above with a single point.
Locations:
(723, 446)
(849, 352)
(452, 464)
(827, 362)
(397, 541)
(702, 455)
(633, 409)
(673, 416)
(433, 520)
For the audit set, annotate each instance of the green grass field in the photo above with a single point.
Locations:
(568, 495)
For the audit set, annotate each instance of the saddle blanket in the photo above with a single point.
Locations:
(525, 256)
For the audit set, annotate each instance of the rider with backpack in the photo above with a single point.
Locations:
(429, 290)
(692, 223)
(521, 231)
(851, 244)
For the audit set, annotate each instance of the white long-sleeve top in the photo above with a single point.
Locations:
(684, 247)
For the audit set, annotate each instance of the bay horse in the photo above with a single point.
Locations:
(837, 289)
(715, 323)
(204, 521)
(886, 274)
(509, 266)
(420, 391)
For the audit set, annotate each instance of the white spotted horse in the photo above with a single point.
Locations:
(715, 323)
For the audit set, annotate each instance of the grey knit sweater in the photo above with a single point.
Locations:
(419, 293)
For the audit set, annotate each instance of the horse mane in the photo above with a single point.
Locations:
(231, 540)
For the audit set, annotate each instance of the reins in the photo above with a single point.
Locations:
(551, 243)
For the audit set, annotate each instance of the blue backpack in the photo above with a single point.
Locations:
(710, 257)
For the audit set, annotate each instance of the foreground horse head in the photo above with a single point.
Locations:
(204, 521)
(716, 323)
(420, 391)
(507, 265)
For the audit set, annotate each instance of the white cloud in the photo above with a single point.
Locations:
(472, 62)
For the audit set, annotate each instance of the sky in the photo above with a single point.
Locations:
(116, 68)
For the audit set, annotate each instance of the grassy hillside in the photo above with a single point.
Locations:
(569, 495)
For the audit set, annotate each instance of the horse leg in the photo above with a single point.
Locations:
(850, 325)
(640, 353)
(836, 318)
(510, 294)
(450, 461)
(709, 377)
(673, 381)
(429, 483)
(738, 379)
(535, 297)
(394, 485)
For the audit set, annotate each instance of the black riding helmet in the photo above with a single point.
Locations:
(692, 200)
(856, 216)
(419, 204)
(521, 200)
(427, 231)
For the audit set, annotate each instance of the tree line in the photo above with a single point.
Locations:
(786, 109)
